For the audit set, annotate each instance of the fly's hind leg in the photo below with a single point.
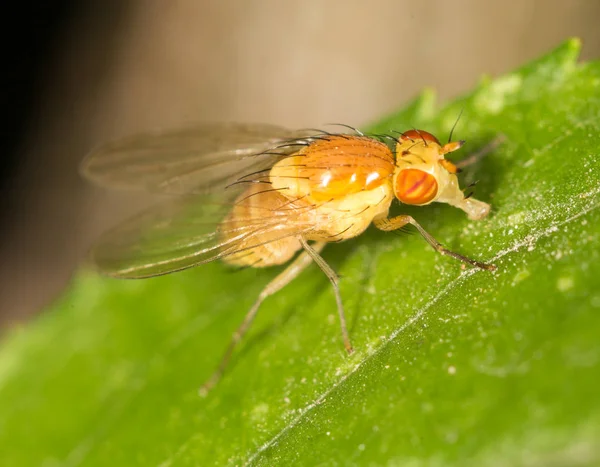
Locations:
(400, 221)
(333, 278)
(280, 281)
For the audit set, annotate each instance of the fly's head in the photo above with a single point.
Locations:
(423, 175)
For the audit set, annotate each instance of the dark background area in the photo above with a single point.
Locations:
(31, 40)
(77, 73)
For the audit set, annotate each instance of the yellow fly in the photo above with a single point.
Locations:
(256, 195)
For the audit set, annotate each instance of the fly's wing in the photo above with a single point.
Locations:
(194, 160)
(185, 232)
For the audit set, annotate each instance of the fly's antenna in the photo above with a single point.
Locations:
(455, 123)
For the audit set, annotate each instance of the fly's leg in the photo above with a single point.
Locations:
(280, 281)
(400, 221)
(484, 151)
(333, 278)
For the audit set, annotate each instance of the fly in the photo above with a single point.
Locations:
(260, 195)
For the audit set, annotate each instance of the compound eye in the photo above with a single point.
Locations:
(420, 135)
(413, 186)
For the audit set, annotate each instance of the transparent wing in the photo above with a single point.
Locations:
(194, 160)
(185, 232)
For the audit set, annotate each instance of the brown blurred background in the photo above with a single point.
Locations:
(81, 72)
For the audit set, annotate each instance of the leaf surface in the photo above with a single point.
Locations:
(452, 366)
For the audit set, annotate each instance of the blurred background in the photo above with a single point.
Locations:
(77, 73)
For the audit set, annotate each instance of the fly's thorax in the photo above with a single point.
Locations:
(334, 167)
(423, 176)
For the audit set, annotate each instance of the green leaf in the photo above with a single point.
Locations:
(452, 366)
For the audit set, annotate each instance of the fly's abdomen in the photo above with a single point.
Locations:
(267, 241)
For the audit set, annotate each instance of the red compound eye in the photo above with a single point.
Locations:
(413, 186)
(420, 135)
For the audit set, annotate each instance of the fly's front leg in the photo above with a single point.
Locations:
(280, 281)
(400, 221)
